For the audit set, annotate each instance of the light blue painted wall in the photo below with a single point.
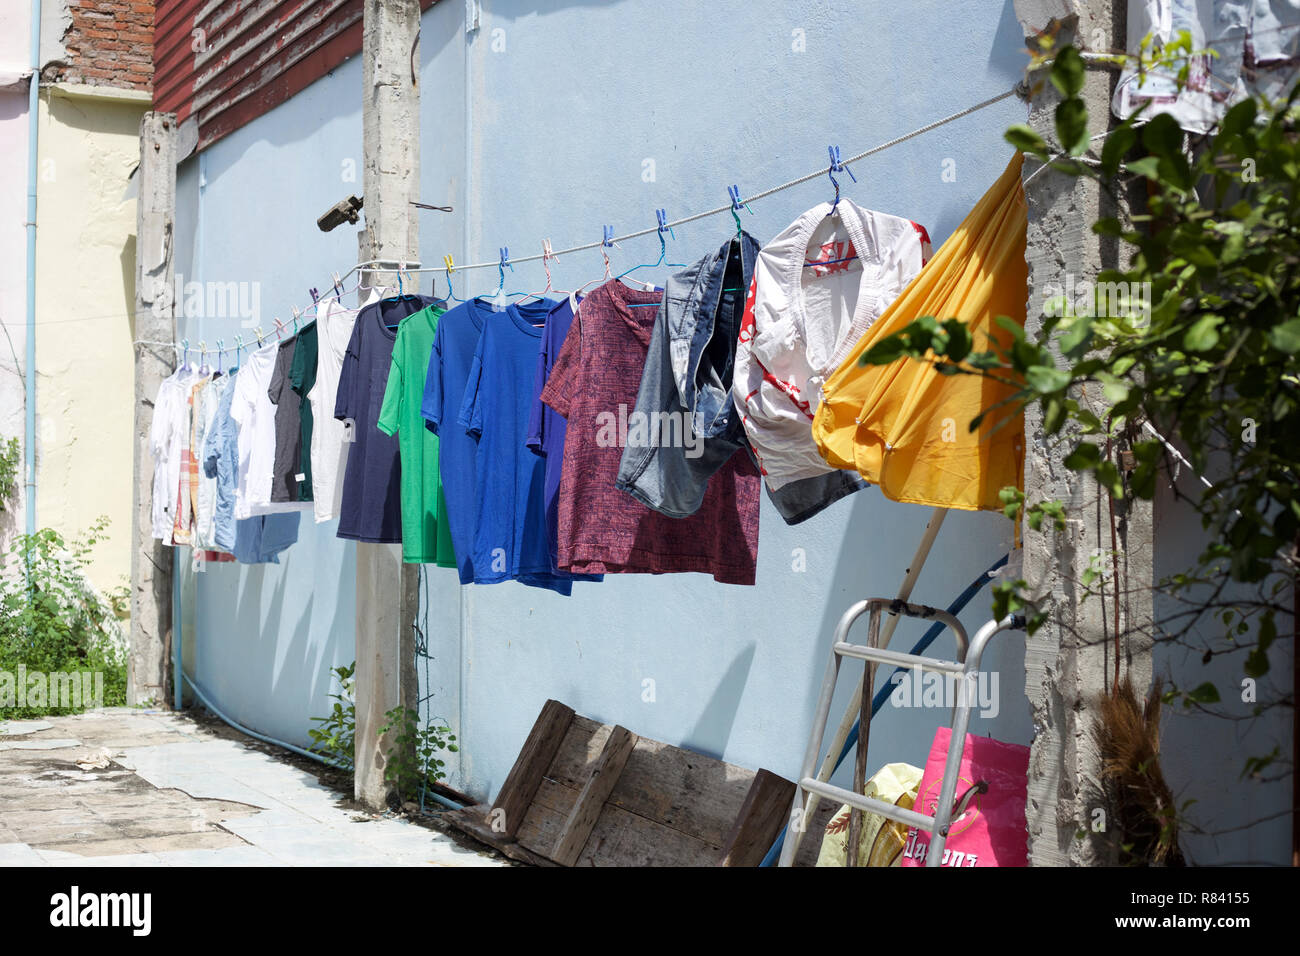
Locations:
(539, 126)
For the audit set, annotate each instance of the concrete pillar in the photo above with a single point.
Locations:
(1071, 659)
(387, 589)
(151, 563)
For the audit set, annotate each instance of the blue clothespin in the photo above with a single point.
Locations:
(239, 346)
(662, 216)
(837, 167)
(734, 192)
(315, 296)
(608, 241)
(505, 259)
(221, 351)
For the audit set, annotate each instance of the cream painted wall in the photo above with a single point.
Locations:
(85, 257)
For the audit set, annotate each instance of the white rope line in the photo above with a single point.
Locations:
(952, 117)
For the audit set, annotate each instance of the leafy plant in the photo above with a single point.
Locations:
(1189, 352)
(9, 454)
(335, 737)
(413, 763)
(53, 620)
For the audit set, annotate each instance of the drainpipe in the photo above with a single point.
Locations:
(33, 128)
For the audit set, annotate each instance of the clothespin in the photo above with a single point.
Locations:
(836, 165)
(203, 354)
(279, 328)
(260, 335)
(221, 351)
(546, 250)
(315, 296)
(734, 192)
(296, 313)
(338, 283)
(505, 260)
(239, 346)
(662, 216)
(185, 360)
(451, 266)
(608, 241)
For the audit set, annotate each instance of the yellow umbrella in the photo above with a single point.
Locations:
(904, 426)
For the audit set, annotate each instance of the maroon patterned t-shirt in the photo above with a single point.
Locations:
(603, 530)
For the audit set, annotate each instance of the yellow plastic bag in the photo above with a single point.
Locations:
(880, 841)
(905, 427)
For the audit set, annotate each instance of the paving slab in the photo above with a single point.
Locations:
(159, 789)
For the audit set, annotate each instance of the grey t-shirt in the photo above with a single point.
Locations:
(288, 426)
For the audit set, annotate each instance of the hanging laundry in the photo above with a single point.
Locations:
(302, 376)
(206, 495)
(426, 539)
(817, 287)
(183, 520)
(287, 460)
(510, 540)
(255, 540)
(903, 426)
(686, 384)
(372, 499)
(545, 428)
(330, 438)
(450, 362)
(254, 416)
(194, 448)
(165, 434)
(601, 530)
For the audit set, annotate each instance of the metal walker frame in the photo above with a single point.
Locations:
(966, 667)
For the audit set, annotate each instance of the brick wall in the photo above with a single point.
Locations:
(108, 43)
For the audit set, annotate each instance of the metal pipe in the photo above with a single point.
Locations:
(436, 798)
(29, 383)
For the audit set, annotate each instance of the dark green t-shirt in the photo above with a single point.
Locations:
(302, 377)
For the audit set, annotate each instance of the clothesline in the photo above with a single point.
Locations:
(366, 264)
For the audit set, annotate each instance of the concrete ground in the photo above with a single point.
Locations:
(123, 787)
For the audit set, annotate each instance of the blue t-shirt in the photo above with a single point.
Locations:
(510, 541)
(546, 427)
(371, 509)
(454, 345)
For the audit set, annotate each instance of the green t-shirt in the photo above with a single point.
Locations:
(302, 378)
(426, 538)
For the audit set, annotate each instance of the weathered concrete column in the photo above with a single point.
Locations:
(387, 589)
(1071, 659)
(151, 563)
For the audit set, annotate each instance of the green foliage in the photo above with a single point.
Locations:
(52, 620)
(1197, 336)
(9, 454)
(413, 762)
(335, 736)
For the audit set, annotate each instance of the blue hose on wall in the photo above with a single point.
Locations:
(883, 694)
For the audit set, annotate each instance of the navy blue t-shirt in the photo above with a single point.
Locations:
(510, 539)
(454, 345)
(546, 428)
(371, 509)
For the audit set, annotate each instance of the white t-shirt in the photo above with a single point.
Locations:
(329, 436)
(254, 413)
(802, 321)
(166, 432)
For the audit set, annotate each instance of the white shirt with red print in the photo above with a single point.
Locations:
(817, 289)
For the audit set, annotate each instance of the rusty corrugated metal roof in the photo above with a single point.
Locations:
(226, 62)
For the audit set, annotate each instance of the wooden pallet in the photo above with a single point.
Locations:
(588, 794)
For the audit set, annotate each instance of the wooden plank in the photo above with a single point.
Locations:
(687, 791)
(526, 775)
(473, 822)
(591, 800)
(761, 816)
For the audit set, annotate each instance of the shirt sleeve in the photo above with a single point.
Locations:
(561, 384)
(346, 404)
(471, 406)
(390, 412)
(276, 390)
(431, 403)
(161, 413)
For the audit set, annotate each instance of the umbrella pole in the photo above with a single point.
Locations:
(855, 705)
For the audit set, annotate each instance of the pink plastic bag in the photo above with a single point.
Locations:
(992, 831)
